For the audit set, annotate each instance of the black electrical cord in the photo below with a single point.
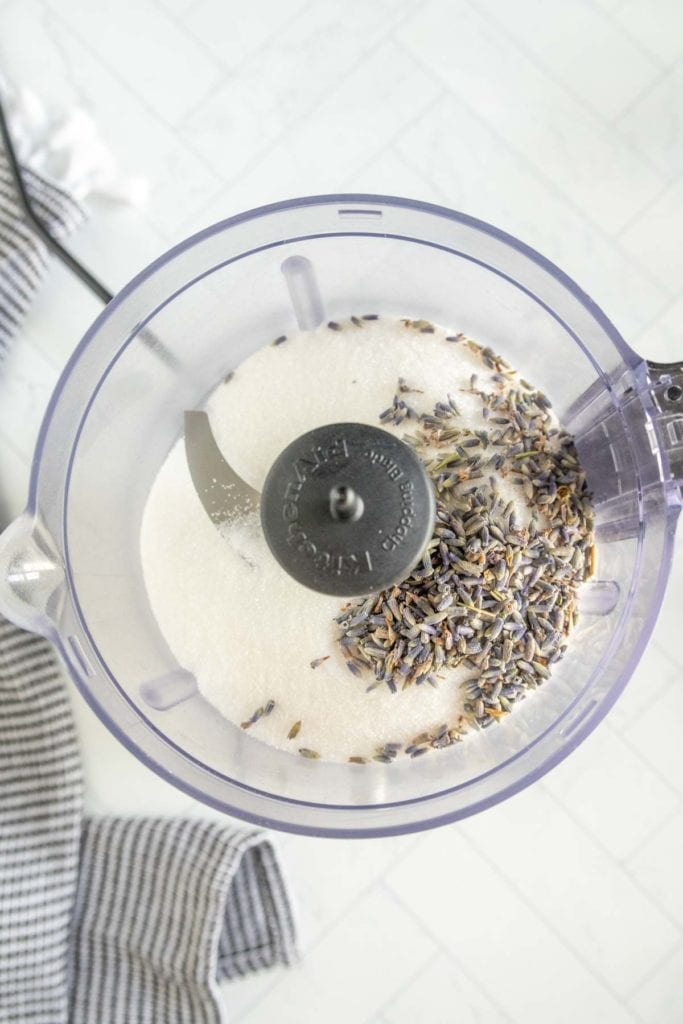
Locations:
(37, 225)
(81, 272)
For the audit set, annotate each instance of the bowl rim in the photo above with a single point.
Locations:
(362, 201)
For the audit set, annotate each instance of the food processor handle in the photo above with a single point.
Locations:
(666, 381)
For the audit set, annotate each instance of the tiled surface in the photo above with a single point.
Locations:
(561, 122)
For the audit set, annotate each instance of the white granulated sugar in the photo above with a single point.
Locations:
(230, 614)
(326, 376)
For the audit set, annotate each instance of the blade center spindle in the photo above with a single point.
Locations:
(345, 503)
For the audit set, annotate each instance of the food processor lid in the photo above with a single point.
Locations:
(346, 509)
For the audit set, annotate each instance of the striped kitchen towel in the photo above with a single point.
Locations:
(114, 920)
(40, 819)
(107, 920)
(167, 909)
(23, 256)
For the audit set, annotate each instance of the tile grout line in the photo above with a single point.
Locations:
(618, 862)
(234, 72)
(540, 66)
(390, 143)
(676, 666)
(634, 749)
(177, 18)
(627, 32)
(259, 157)
(667, 679)
(537, 912)
(373, 155)
(27, 460)
(657, 644)
(416, 973)
(554, 189)
(630, 107)
(167, 16)
(320, 936)
(332, 923)
(49, 13)
(622, 30)
(651, 973)
(426, 927)
(647, 207)
(248, 1007)
(620, 733)
(633, 264)
(629, 261)
(52, 14)
(660, 827)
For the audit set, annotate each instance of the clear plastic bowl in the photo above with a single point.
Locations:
(70, 565)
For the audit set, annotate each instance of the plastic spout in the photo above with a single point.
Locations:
(31, 576)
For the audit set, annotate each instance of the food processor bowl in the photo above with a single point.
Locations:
(70, 566)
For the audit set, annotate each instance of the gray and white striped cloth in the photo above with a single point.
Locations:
(23, 256)
(107, 920)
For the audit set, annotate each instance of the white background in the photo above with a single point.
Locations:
(561, 122)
